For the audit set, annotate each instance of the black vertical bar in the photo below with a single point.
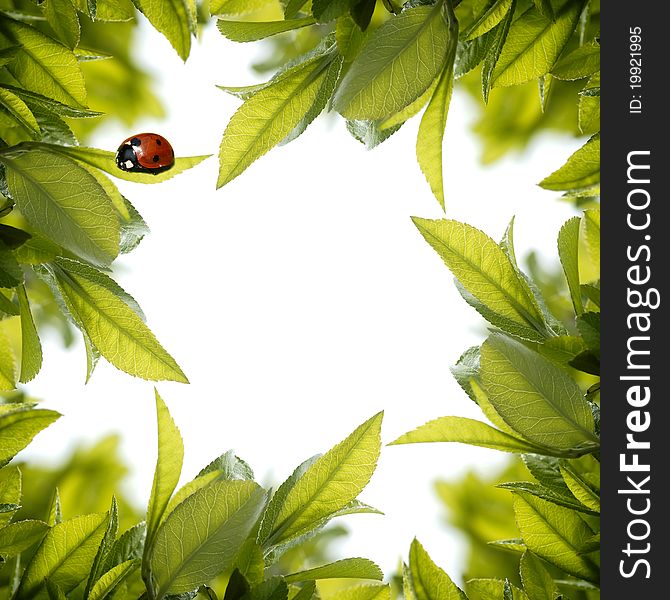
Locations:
(635, 244)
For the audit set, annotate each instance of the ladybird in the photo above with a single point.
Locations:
(145, 153)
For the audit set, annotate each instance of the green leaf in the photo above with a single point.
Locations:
(578, 64)
(250, 31)
(64, 557)
(589, 106)
(534, 43)
(106, 584)
(229, 466)
(466, 431)
(349, 568)
(365, 592)
(555, 534)
(101, 309)
(428, 581)
(591, 224)
(329, 10)
(267, 117)
(568, 252)
(489, 19)
(396, 65)
(127, 547)
(537, 582)
(42, 65)
(581, 489)
(561, 496)
(18, 109)
(97, 568)
(11, 274)
(534, 397)
(235, 7)
(10, 492)
(580, 171)
(466, 369)
(545, 7)
(62, 18)
(7, 307)
(63, 201)
(327, 485)
(203, 535)
(485, 272)
(190, 488)
(7, 364)
(501, 32)
(19, 536)
(493, 589)
(105, 161)
(55, 514)
(274, 588)
(370, 133)
(19, 426)
(168, 469)
(31, 349)
(397, 119)
(173, 19)
(39, 101)
(431, 130)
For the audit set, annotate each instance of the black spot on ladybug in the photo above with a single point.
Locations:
(158, 142)
(156, 158)
(135, 141)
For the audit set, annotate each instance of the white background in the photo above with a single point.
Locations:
(300, 300)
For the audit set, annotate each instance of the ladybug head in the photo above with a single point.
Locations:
(126, 159)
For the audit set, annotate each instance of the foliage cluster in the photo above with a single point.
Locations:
(535, 377)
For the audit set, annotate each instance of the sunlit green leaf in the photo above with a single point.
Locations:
(43, 65)
(63, 201)
(350, 568)
(250, 31)
(62, 18)
(19, 426)
(31, 349)
(64, 557)
(202, 536)
(173, 19)
(578, 64)
(19, 536)
(537, 582)
(537, 399)
(489, 19)
(568, 252)
(106, 584)
(555, 534)
(580, 171)
(428, 581)
(396, 65)
(534, 43)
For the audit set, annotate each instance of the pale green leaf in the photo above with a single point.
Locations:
(105, 161)
(493, 589)
(328, 484)
(99, 308)
(267, 117)
(578, 64)
(484, 270)
(19, 536)
(536, 398)
(499, 38)
(250, 31)
(466, 431)
(349, 568)
(188, 489)
(489, 19)
(581, 489)
(20, 426)
(63, 201)
(31, 349)
(202, 536)
(591, 224)
(235, 7)
(43, 65)
(10, 492)
(168, 468)
(555, 495)
(18, 109)
(410, 110)
(555, 534)
(396, 65)
(431, 130)
(7, 365)
(62, 18)
(428, 581)
(106, 545)
(173, 19)
(589, 106)
(362, 592)
(106, 584)
(64, 557)
(581, 170)
(568, 252)
(537, 582)
(534, 43)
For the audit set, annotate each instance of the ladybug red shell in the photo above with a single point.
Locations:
(145, 153)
